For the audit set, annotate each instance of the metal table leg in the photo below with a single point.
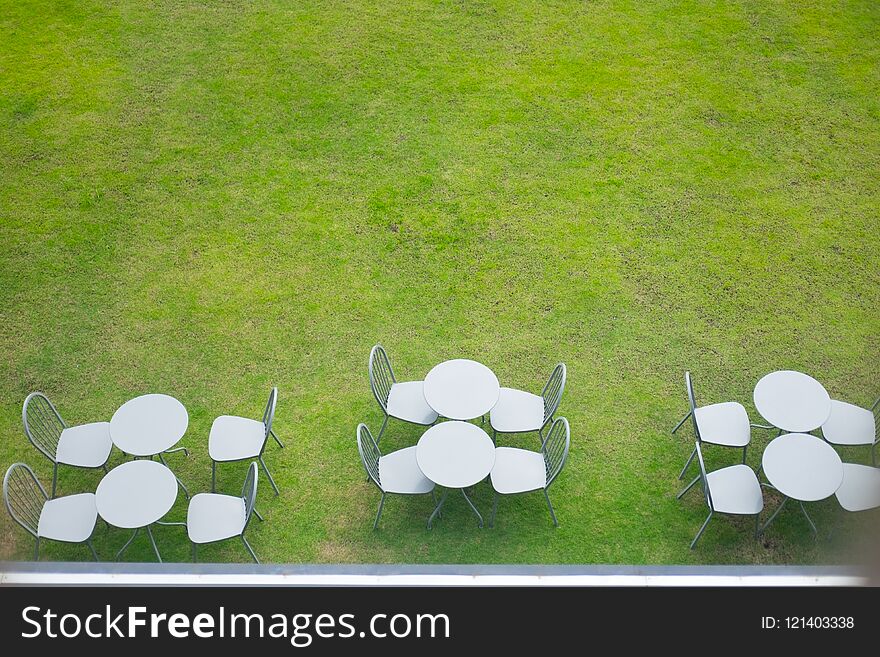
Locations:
(179, 482)
(809, 520)
(437, 508)
(153, 541)
(773, 517)
(127, 543)
(472, 507)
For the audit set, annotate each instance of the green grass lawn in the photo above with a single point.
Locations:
(209, 198)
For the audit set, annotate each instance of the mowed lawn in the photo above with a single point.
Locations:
(210, 198)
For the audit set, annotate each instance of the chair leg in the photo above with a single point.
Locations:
(257, 513)
(37, 549)
(104, 467)
(379, 513)
(682, 421)
(702, 529)
(268, 474)
(250, 549)
(213, 476)
(54, 479)
(688, 464)
(194, 552)
(92, 548)
(550, 506)
(688, 487)
(494, 436)
(434, 502)
(745, 449)
(382, 430)
(277, 440)
(494, 510)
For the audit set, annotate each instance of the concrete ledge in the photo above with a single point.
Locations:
(174, 574)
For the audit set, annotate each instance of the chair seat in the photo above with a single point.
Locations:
(736, 490)
(399, 473)
(517, 471)
(406, 401)
(214, 517)
(849, 425)
(860, 489)
(725, 424)
(234, 438)
(517, 411)
(71, 518)
(85, 445)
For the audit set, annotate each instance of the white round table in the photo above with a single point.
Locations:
(135, 495)
(792, 401)
(150, 425)
(803, 468)
(455, 455)
(461, 389)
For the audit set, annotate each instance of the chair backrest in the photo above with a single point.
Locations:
(42, 423)
(381, 375)
(249, 493)
(24, 496)
(555, 448)
(704, 479)
(552, 392)
(692, 401)
(269, 416)
(370, 454)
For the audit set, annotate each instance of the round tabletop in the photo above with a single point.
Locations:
(148, 425)
(461, 389)
(792, 401)
(455, 454)
(136, 494)
(802, 467)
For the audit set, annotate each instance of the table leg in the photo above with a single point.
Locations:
(179, 482)
(773, 517)
(471, 504)
(127, 543)
(437, 508)
(153, 541)
(809, 520)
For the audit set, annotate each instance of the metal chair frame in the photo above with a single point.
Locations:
(554, 448)
(552, 395)
(707, 493)
(249, 495)
(370, 454)
(25, 498)
(381, 380)
(43, 425)
(268, 418)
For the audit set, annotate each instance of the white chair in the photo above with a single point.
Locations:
(850, 425)
(396, 473)
(523, 471)
(523, 412)
(80, 446)
(725, 424)
(212, 517)
(69, 519)
(860, 489)
(234, 438)
(733, 490)
(404, 401)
